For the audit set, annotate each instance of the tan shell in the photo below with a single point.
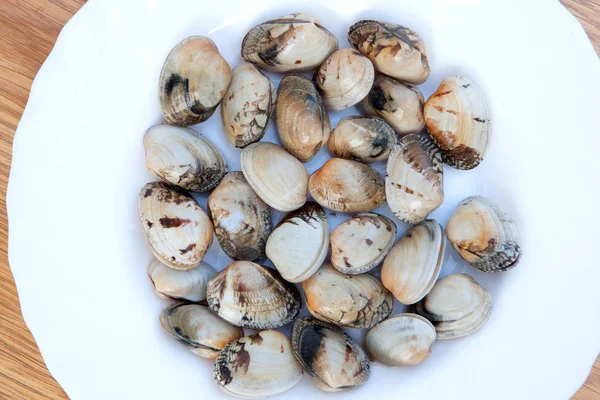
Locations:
(349, 186)
(241, 219)
(457, 119)
(365, 139)
(184, 158)
(344, 79)
(193, 81)
(413, 265)
(414, 184)
(360, 243)
(276, 176)
(176, 284)
(178, 230)
(247, 106)
(394, 50)
(484, 235)
(302, 121)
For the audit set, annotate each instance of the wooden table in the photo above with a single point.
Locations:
(28, 30)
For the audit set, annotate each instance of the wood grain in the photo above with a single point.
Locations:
(28, 30)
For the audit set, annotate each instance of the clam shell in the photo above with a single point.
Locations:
(456, 306)
(295, 42)
(253, 296)
(192, 82)
(457, 118)
(302, 121)
(299, 243)
(394, 50)
(404, 339)
(176, 284)
(257, 366)
(197, 328)
(360, 243)
(331, 358)
(345, 185)
(178, 230)
(181, 157)
(276, 176)
(358, 301)
(365, 139)
(241, 219)
(247, 106)
(344, 79)
(414, 185)
(413, 265)
(484, 235)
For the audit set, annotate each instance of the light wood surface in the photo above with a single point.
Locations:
(28, 30)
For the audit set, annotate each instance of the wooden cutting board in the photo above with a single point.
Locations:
(28, 30)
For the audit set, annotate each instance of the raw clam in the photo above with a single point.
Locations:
(413, 265)
(457, 306)
(242, 220)
(365, 139)
(344, 79)
(181, 157)
(358, 301)
(349, 186)
(178, 230)
(299, 243)
(331, 358)
(253, 296)
(275, 175)
(197, 328)
(295, 42)
(360, 243)
(404, 339)
(247, 106)
(399, 104)
(484, 235)
(171, 283)
(257, 366)
(394, 50)
(193, 81)
(414, 185)
(457, 119)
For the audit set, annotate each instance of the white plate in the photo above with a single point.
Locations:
(79, 256)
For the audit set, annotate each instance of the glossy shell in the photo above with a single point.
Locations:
(176, 284)
(365, 139)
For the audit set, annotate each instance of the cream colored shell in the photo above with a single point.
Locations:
(365, 139)
(171, 283)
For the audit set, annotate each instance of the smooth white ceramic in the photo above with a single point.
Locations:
(78, 253)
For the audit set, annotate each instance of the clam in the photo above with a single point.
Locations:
(394, 50)
(457, 119)
(302, 121)
(171, 283)
(484, 235)
(178, 230)
(413, 265)
(241, 219)
(257, 366)
(276, 176)
(299, 243)
(181, 157)
(358, 301)
(365, 139)
(344, 79)
(253, 296)
(360, 243)
(399, 104)
(414, 185)
(192, 82)
(197, 328)
(331, 358)
(404, 339)
(345, 185)
(457, 306)
(247, 106)
(296, 42)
